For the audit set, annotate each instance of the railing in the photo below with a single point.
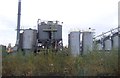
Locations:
(112, 31)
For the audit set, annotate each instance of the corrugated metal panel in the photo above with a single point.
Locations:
(75, 43)
(29, 39)
(87, 39)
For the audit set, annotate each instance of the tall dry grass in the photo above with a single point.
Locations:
(60, 64)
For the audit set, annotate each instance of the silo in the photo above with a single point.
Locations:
(87, 41)
(99, 45)
(69, 40)
(115, 41)
(43, 35)
(2, 48)
(74, 42)
(29, 39)
(21, 41)
(58, 33)
(107, 43)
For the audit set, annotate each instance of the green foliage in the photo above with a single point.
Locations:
(58, 64)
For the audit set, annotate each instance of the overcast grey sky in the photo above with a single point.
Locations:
(101, 15)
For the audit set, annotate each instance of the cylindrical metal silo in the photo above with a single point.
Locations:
(115, 41)
(99, 45)
(2, 48)
(29, 39)
(21, 41)
(87, 41)
(75, 42)
(58, 33)
(107, 43)
(69, 40)
(43, 35)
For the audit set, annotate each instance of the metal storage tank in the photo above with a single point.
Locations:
(107, 43)
(2, 53)
(29, 39)
(43, 35)
(58, 34)
(68, 40)
(2, 48)
(115, 41)
(87, 41)
(75, 42)
(99, 45)
(21, 41)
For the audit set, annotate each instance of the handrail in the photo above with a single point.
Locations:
(106, 32)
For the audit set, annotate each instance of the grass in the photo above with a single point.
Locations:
(60, 64)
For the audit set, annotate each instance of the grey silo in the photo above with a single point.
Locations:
(107, 43)
(115, 40)
(2, 48)
(42, 35)
(74, 42)
(87, 41)
(49, 34)
(21, 41)
(2, 51)
(29, 39)
(69, 40)
(45, 28)
(98, 45)
(58, 33)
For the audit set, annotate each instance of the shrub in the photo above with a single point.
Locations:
(62, 63)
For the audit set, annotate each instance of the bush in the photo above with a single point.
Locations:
(61, 64)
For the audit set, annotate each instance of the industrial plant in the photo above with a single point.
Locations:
(48, 35)
(88, 42)
(40, 52)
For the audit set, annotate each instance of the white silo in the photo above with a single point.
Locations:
(29, 39)
(74, 42)
(107, 43)
(98, 45)
(115, 41)
(87, 41)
